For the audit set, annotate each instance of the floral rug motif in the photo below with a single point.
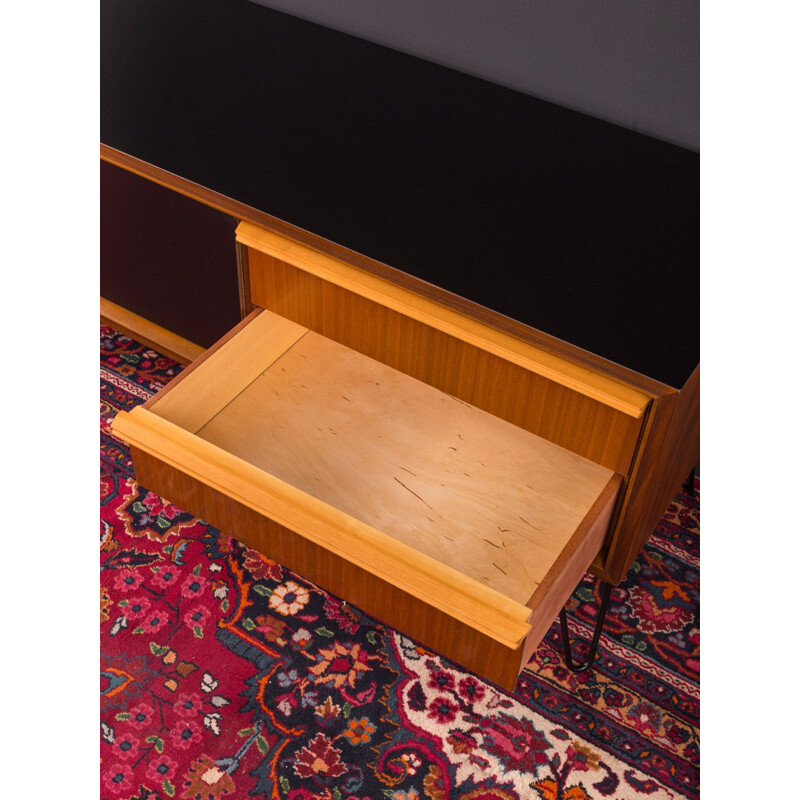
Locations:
(223, 674)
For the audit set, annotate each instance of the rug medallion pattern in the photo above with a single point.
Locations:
(223, 674)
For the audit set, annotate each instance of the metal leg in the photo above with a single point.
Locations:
(604, 598)
(688, 484)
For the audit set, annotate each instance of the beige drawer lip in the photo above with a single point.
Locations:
(265, 359)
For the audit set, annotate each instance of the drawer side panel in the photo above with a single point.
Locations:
(566, 573)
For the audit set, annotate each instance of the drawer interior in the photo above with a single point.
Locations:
(492, 501)
(479, 519)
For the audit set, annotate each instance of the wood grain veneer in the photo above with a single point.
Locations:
(463, 369)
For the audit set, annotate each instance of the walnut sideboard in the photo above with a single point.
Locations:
(467, 369)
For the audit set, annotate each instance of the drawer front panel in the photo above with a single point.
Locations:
(542, 406)
(399, 609)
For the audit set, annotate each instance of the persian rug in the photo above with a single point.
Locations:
(223, 674)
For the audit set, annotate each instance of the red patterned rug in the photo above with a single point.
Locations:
(225, 675)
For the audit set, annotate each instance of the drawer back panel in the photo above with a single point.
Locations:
(538, 404)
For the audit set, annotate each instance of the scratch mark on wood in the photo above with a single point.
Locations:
(501, 570)
(417, 496)
(529, 523)
(491, 543)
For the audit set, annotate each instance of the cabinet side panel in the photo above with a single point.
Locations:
(669, 452)
(537, 404)
(400, 610)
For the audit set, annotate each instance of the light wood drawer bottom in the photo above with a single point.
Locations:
(451, 525)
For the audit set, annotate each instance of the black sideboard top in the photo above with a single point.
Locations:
(579, 228)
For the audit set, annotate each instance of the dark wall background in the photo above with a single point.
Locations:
(635, 63)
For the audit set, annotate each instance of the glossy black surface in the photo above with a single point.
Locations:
(167, 258)
(579, 228)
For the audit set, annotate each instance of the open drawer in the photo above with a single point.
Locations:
(450, 524)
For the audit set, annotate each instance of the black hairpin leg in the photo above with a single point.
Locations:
(605, 596)
(688, 484)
